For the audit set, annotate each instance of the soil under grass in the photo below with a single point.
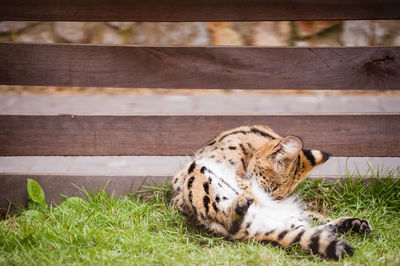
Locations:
(137, 231)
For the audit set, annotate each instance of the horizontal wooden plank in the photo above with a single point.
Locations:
(13, 186)
(13, 192)
(197, 10)
(341, 135)
(357, 68)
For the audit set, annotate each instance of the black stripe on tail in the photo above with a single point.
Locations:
(309, 156)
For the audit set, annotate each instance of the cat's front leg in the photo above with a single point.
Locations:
(349, 224)
(237, 211)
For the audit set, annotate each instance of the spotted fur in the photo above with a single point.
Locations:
(238, 184)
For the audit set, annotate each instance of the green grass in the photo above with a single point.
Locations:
(133, 231)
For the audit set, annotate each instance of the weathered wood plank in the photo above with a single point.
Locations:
(197, 10)
(13, 186)
(340, 135)
(360, 68)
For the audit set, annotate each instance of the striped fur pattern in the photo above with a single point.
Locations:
(237, 186)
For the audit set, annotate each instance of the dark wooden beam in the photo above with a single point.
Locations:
(357, 68)
(45, 135)
(197, 10)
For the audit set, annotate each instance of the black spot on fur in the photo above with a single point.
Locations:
(203, 169)
(244, 150)
(269, 232)
(190, 182)
(244, 164)
(282, 234)
(231, 162)
(298, 237)
(233, 133)
(235, 226)
(261, 133)
(250, 146)
(217, 199)
(206, 187)
(224, 198)
(191, 197)
(314, 243)
(191, 167)
(211, 143)
(309, 156)
(331, 250)
(215, 207)
(232, 147)
(206, 201)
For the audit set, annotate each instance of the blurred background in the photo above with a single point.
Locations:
(62, 100)
(298, 33)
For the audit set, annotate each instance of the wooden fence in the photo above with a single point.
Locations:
(361, 68)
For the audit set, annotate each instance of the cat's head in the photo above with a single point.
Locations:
(284, 161)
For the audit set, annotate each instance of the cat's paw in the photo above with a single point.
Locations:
(361, 226)
(243, 203)
(351, 224)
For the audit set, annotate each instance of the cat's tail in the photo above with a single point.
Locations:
(316, 240)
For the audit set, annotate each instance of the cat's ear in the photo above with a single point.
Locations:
(289, 148)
